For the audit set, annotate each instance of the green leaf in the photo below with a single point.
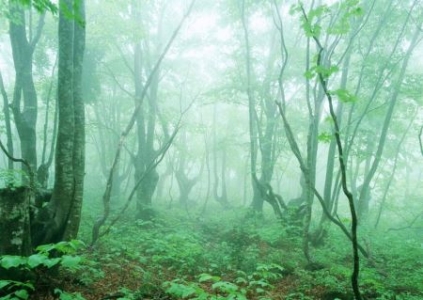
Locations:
(41, 5)
(180, 290)
(207, 277)
(326, 72)
(12, 261)
(26, 285)
(52, 262)
(325, 137)
(241, 280)
(22, 294)
(261, 283)
(318, 12)
(37, 259)
(345, 96)
(71, 262)
(225, 287)
(4, 283)
(309, 74)
(63, 247)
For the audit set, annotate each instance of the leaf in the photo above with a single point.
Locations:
(225, 286)
(4, 283)
(309, 74)
(22, 294)
(326, 72)
(241, 280)
(71, 262)
(318, 12)
(27, 285)
(52, 262)
(180, 290)
(345, 96)
(12, 261)
(41, 5)
(37, 259)
(66, 247)
(45, 248)
(207, 277)
(325, 137)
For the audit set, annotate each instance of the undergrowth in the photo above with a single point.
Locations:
(220, 257)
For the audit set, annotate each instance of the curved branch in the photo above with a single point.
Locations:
(20, 160)
(107, 193)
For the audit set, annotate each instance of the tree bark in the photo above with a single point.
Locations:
(24, 104)
(15, 238)
(64, 209)
(7, 121)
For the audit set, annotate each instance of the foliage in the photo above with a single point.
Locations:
(148, 260)
(40, 5)
(220, 254)
(12, 178)
(213, 287)
(41, 268)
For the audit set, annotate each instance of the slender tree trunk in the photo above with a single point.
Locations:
(47, 157)
(219, 182)
(6, 112)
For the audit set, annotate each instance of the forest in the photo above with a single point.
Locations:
(196, 149)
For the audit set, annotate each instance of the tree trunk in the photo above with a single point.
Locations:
(25, 114)
(64, 209)
(15, 238)
(6, 112)
(74, 214)
(146, 123)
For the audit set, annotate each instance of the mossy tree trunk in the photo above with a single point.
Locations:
(15, 237)
(64, 209)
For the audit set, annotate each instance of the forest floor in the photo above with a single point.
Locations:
(230, 257)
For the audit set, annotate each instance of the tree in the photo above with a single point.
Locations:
(24, 103)
(8, 123)
(64, 208)
(262, 114)
(59, 220)
(147, 168)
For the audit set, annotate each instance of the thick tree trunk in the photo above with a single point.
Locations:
(146, 123)
(64, 209)
(64, 183)
(145, 195)
(78, 159)
(15, 237)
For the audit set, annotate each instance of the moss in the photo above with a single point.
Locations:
(17, 241)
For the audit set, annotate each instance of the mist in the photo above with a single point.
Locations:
(211, 149)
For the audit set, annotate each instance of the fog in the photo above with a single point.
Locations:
(288, 132)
